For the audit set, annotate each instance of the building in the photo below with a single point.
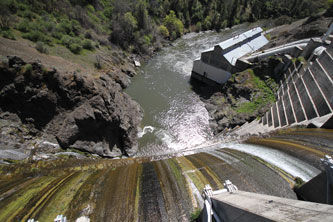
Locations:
(217, 64)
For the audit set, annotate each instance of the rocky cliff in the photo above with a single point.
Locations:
(81, 111)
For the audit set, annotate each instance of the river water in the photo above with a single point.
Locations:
(175, 119)
(174, 116)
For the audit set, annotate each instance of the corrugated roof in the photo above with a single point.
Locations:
(239, 38)
(244, 49)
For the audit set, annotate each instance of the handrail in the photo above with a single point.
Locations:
(207, 193)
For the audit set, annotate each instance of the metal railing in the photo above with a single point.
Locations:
(208, 211)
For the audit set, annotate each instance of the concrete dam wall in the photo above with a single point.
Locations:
(305, 94)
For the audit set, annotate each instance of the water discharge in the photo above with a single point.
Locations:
(171, 108)
(174, 117)
(291, 165)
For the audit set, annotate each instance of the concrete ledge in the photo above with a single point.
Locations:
(244, 206)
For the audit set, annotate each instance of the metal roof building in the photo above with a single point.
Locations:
(245, 43)
(217, 63)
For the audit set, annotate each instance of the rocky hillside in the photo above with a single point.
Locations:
(75, 109)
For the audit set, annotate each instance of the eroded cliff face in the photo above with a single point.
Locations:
(80, 111)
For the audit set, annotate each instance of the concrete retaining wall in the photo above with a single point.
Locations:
(245, 206)
(306, 92)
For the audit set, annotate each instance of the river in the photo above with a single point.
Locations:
(174, 117)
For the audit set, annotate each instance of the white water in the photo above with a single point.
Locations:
(291, 165)
(175, 119)
(175, 113)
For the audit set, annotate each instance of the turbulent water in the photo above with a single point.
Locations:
(175, 118)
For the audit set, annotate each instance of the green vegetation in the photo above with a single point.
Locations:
(40, 46)
(264, 95)
(195, 214)
(136, 26)
(298, 182)
(174, 25)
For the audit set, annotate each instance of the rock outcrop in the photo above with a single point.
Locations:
(81, 111)
(244, 97)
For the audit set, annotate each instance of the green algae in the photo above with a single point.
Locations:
(137, 194)
(37, 203)
(12, 207)
(58, 203)
(82, 198)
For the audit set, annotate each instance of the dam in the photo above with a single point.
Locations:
(165, 181)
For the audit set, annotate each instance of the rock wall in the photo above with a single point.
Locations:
(81, 111)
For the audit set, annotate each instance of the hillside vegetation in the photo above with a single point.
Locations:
(136, 26)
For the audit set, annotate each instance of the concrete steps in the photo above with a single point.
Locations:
(305, 96)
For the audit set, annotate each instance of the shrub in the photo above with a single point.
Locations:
(87, 44)
(49, 26)
(75, 48)
(195, 214)
(173, 35)
(207, 24)
(34, 36)
(164, 31)
(8, 34)
(98, 63)
(27, 69)
(40, 46)
(66, 40)
(64, 26)
(88, 35)
(198, 26)
(76, 27)
(28, 14)
(24, 26)
(173, 24)
(108, 12)
(5, 14)
(57, 35)
(283, 20)
(90, 8)
(147, 39)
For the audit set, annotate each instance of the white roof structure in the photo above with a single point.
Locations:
(245, 43)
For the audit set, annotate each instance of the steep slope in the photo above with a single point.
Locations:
(81, 111)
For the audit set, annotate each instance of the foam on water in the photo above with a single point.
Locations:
(145, 130)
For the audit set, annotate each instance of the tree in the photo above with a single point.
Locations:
(5, 13)
(173, 24)
(123, 28)
(197, 12)
(141, 15)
